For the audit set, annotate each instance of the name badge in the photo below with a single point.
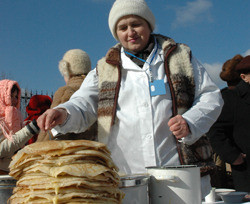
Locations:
(157, 87)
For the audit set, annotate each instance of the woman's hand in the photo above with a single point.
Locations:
(51, 118)
(178, 126)
(239, 160)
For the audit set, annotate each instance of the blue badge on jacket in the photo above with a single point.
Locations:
(157, 87)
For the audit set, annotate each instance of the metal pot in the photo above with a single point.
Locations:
(135, 188)
(7, 183)
(175, 185)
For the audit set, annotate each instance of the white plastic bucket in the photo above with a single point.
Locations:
(135, 188)
(175, 185)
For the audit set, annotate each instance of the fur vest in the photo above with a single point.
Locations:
(179, 71)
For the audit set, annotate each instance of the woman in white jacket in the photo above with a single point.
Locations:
(148, 94)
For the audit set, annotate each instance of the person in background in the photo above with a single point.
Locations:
(222, 177)
(10, 119)
(228, 72)
(37, 105)
(149, 95)
(74, 67)
(229, 135)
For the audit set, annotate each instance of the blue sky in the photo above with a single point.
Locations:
(34, 34)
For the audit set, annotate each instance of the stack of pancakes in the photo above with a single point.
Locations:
(66, 171)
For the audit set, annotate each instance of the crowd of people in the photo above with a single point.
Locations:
(149, 100)
(15, 132)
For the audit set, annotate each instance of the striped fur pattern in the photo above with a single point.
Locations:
(182, 79)
(109, 83)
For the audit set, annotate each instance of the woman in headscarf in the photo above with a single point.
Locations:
(10, 119)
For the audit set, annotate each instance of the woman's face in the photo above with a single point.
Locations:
(14, 98)
(245, 77)
(133, 32)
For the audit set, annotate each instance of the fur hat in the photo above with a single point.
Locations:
(244, 65)
(75, 62)
(229, 73)
(123, 8)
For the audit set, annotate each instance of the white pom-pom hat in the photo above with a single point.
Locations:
(123, 8)
(75, 62)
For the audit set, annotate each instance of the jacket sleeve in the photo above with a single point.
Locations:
(221, 133)
(82, 106)
(8, 148)
(206, 107)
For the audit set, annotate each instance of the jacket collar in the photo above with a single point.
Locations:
(113, 55)
(244, 91)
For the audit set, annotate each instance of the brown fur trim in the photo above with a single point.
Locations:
(200, 153)
(113, 55)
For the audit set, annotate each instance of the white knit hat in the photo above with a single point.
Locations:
(75, 62)
(123, 8)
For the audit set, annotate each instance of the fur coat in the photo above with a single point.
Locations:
(62, 95)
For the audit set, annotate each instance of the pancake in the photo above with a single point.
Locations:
(54, 145)
(65, 171)
(65, 194)
(57, 148)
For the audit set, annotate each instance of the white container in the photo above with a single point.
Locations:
(211, 197)
(135, 188)
(7, 183)
(175, 185)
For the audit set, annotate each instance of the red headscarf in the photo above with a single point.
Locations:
(38, 104)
